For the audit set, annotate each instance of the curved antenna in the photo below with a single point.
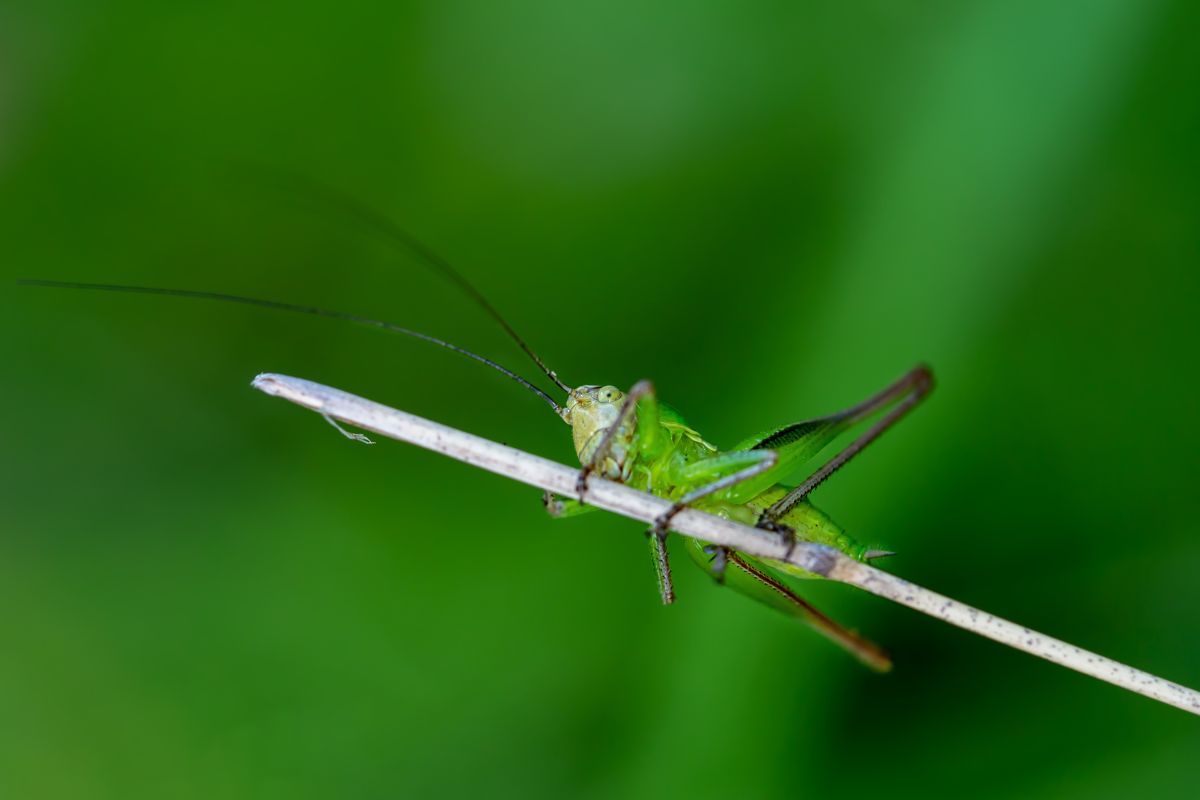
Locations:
(418, 249)
(319, 312)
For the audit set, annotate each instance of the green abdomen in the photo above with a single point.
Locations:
(810, 524)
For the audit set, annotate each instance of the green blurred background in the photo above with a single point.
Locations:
(770, 208)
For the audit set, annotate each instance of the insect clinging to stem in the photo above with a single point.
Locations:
(633, 438)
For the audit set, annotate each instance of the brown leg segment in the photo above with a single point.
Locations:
(906, 393)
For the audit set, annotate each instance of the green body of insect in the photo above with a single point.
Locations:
(636, 440)
(632, 438)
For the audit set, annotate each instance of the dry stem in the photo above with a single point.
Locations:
(822, 560)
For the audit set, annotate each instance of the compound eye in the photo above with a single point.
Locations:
(610, 394)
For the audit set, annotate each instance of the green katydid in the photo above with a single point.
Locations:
(632, 438)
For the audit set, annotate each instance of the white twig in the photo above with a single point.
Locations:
(819, 559)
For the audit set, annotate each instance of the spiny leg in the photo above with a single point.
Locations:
(905, 394)
(560, 507)
(749, 576)
(643, 388)
(757, 582)
(662, 565)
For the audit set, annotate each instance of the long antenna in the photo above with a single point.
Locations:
(416, 248)
(298, 309)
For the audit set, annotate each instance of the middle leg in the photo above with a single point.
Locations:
(751, 463)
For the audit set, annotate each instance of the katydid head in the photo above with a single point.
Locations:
(591, 411)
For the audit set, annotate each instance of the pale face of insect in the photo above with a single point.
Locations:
(590, 411)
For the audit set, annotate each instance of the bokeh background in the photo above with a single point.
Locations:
(770, 208)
